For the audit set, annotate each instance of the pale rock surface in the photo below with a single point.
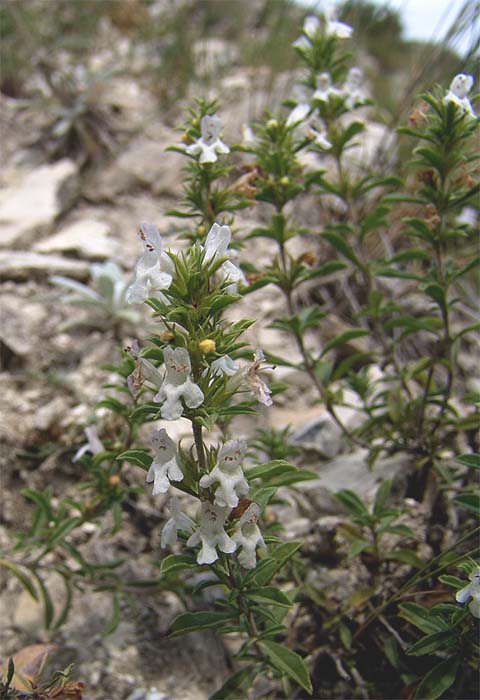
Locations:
(34, 201)
(22, 265)
(144, 163)
(87, 237)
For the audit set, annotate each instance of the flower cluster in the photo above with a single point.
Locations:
(328, 25)
(327, 100)
(192, 368)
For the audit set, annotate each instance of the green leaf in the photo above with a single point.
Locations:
(23, 578)
(382, 497)
(353, 503)
(114, 618)
(438, 680)
(268, 567)
(189, 622)
(344, 338)
(287, 662)
(68, 603)
(174, 563)
(358, 546)
(141, 458)
(269, 595)
(273, 468)
(49, 610)
(437, 293)
(422, 618)
(327, 268)
(40, 499)
(469, 460)
(405, 556)
(431, 643)
(470, 501)
(341, 245)
(63, 529)
(452, 581)
(239, 681)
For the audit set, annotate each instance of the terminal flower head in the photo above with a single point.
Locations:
(164, 467)
(472, 590)
(177, 384)
(211, 534)
(177, 521)
(229, 475)
(247, 535)
(209, 145)
(154, 269)
(458, 91)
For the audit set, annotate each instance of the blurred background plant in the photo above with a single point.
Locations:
(105, 301)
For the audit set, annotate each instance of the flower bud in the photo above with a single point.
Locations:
(272, 124)
(113, 480)
(207, 346)
(285, 181)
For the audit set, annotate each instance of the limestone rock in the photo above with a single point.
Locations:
(32, 204)
(89, 238)
(144, 163)
(21, 265)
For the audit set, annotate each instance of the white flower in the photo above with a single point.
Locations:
(154, 269)
(229, 474)
(94, 444)
(259, 389)
(224, 365)
(249, 374)
(352, 88)
(164, 466)
(325, 88)
(216, 246)
(209, 144)
(459, 89)
(298, 114)
(248, 536)
(311, 26)
(333, 27)
(472, 590)
(211, 534)
(320, 138)
(177, 521)
(177, 384)
(143, 370)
